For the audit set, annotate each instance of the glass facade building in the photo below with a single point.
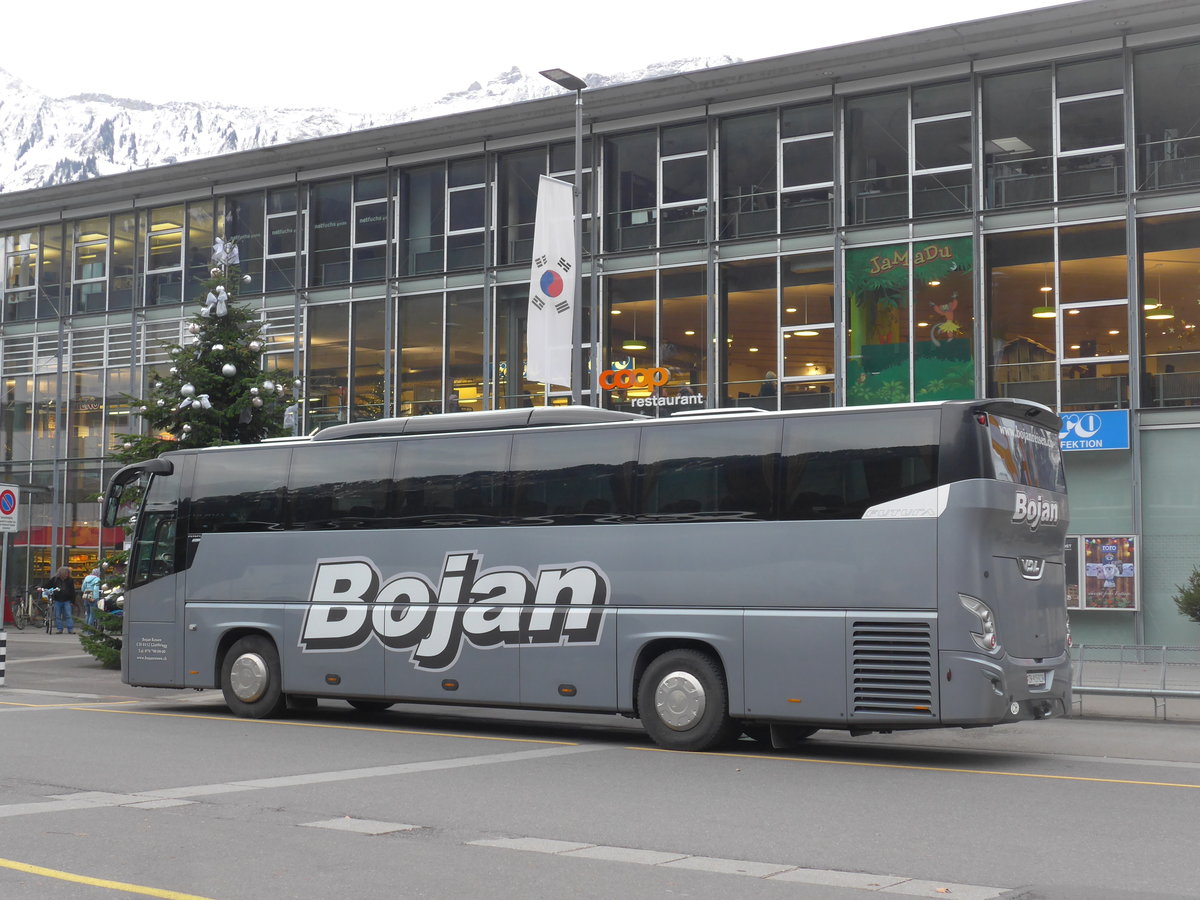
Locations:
(1010, 209)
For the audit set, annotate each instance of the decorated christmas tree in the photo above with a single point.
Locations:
(214, 390)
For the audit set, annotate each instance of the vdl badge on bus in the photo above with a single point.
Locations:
(715, 574)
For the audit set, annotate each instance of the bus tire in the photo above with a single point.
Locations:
(684, 702)
(251, 679)
(370, 706)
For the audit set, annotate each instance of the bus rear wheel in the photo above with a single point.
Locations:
(251, 680)
(684, 703)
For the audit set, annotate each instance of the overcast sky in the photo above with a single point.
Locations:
(368, 55)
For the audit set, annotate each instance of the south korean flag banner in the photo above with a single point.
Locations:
(552, 284)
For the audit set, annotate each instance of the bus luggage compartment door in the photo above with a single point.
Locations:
(797, 667)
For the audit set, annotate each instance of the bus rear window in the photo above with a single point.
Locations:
(1024, 453)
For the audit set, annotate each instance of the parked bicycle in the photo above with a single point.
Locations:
(34, 609)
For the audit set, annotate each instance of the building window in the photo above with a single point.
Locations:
(423, 220)
(631, 192)
(244, 226)
(328, 360)
(370, 234)
(1018, 146)
(806, 163)
(466, 199)
(283, 230)
(163, 254)
(419, 355)
(1166, 88)
(516, 203)
(562, 167)
(90, 274)
(683, 183)
(20, 275)
(749, 189)
(806, 331)
(877, 158)
(330, 226)
(941, 149)
(909, 331)
(1059, 316)
(1090, 135)
(748, 311)
(1169, 262)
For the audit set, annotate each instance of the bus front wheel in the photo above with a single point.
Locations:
(684, 703)
(251, 679)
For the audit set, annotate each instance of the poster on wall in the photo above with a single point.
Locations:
(1071, 560)
(1109, 567)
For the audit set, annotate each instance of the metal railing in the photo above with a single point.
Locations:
(1136, 670)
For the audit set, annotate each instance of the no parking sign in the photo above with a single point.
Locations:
(10, 501)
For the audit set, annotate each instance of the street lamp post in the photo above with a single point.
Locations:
(565, 79)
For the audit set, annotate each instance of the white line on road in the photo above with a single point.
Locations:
(102, 799)
(888, 884)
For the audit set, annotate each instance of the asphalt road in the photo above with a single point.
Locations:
(109, 791)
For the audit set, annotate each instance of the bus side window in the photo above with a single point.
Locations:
(335, 485)
(239, 490)
(573, 477)
(452, 480)
(720, 470)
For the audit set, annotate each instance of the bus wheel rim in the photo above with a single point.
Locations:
(249, 677)
(679, 700)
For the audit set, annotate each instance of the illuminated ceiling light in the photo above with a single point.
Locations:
(1162, 312)
(616, 312)
(1114, 331)
(1072, 312)
(1074, 346)
(1044, 312)
(790, 309)
(689, 332)
(934, 283)
(633, 344)
(922, 324)
(752, 349)
(806, 333)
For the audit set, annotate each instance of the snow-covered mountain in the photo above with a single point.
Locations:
(48, 140)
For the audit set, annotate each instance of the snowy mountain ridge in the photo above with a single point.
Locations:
(57, 140)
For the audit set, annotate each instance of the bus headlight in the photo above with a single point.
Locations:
(985, 638)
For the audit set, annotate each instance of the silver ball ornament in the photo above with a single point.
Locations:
(296, 383)
(127, 445)
(256, 401)
(245, 279)
(218, 346)
(229, 370)
(187, 429)
(160, 402)
(214, 271)
(268, 385)
(187, 390)
(253, 392)
(255, 346)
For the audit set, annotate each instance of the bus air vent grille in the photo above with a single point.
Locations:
(892, 669)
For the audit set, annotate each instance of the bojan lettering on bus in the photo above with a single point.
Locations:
(562, 604)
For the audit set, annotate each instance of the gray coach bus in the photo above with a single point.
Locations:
(772, 573)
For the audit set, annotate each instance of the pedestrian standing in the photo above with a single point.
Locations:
(90, 588)
(64, 599)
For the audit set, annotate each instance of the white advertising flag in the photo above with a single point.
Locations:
(552, 284)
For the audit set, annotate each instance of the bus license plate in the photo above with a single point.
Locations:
(1036, 679)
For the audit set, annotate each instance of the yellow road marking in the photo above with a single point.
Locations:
(97, 882)
(949, 769)
(234, 719)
